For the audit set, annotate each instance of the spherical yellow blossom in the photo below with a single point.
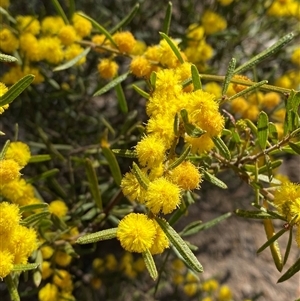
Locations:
(8, 41)
(150, 151)
(51, 25)
(270, 100)
(9, 171)
(46, 269)
(284, 81)
(72, 51)
(6, 263)
(132, 189)
(192, 284)
(63, 296)
(47, 252)
(213, 22)
(4, 3)
(98, 265)
(207, 299)
(160, 242)
(178, 265)
(63, 280)
(239, 87)
(213, 88)
(139, 48)
(9, 217)
(225, 293)
(195, 33)
(59, 208)
(3, 90)
(100, 40)
(167, 56)
(82, 26)
(225, 2)
(48, 293)
(22, 243)
(111, 263)
(125, 41)
(255, 98)
(200, 145)
(19, 152)
(162, 195)
(239, 105)
(62, 258)
(296, 57)
(29, 45)
(139, 265)
(107, 68)
(28, 24)
(51, 49)
(210, 285)
(140, 67)
(136, 232)
(67, 35)
(252, 112)
(186, 176)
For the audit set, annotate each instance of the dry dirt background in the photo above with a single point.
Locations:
(228, 250)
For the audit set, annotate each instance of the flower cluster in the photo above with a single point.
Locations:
(287, 202)
(17, 242)
(284, 8)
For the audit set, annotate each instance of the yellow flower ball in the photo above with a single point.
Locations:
(132, 189)
(210, 285)
(51, 25)
(62, 258)
(47, 252)
(4, 3)
(82, 26)
(161, 241)
(213, 22)
(111, 263)
(9, 217)
(19, 152)
(162, 195)
(225, 293)
(270, 100)
(67, 35)
(9, 171)
(63, 280)
(51, 49)
(6, 263)
(140, 67)
(59, 208)
(72, 51)
(125, 41)
(136, 232)
(28, 24)
(107, 68)
(8, 41)
(296, 57)
(48, 293)
(46, 269)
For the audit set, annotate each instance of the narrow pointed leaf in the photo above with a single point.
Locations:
(73, 61)
(33, 219)
(273, 132)
(39, 158)
(180, 245)
(113, 164)
(214, 180)
(25, 267)
(176, 124)
(180, 159)
(288, 246)
(142, 179)
(97, 236)
(93, 183)
(60, 11)
(7, 58)
(126, 20)
(257, 214)
(167, 20)
(121, 98)
(262, 129)
(266, 53)
(196, 78)
(32, 207)
(99, 28)
(141, 92)
(273, 164)
(191, 130)
(222, 147)
(229, 74)
(4, 149)
(111, 84)
(295, 147)
(295, 268)
(153, 79)
(16, 89)
(173, 47)
(125, 153)
(150, 264)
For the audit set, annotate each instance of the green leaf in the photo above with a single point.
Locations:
(196, 78)
(295, 268)
(25, 267)
(252, 126)
(264, 54)
(126, 20)
(7, 58)
(141, 92)
(262, 129)
(33, 219)
(121, 98)
(16, 89)
(125, 153)
(176, 124)
(228, 76)
(248, 90)
(39, 158)
(99, 28)
(167, 20)
(295, 147)
(93, 183)
(273, 132)
(153, 79)
(73, 61)
(150, 264)
(60, 11)
(113, 164)
(271, 240)
(111, 84)
(196, 227)
(257, 214)
(173, 47)
(214, 180)
(180, 245)
(4, 149)
(97, 236)
(222, 147)
(33, 207)
(272, 165)
(288, 246)
(47, 174)
(142, 179)
(180, 159)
